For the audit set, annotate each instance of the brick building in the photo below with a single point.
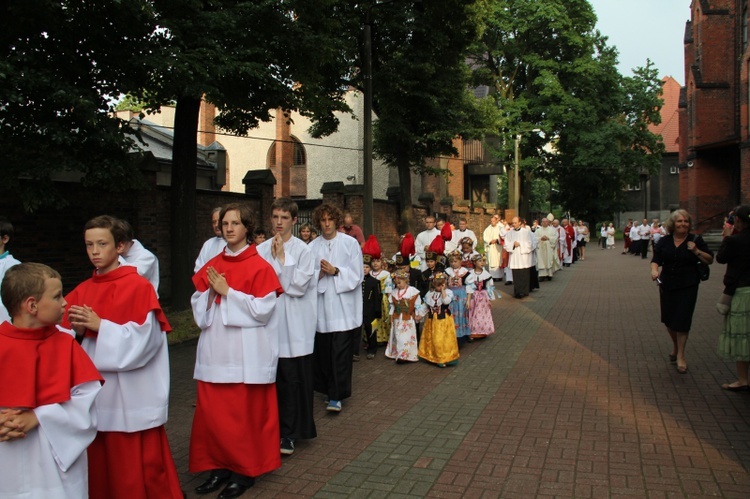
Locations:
(311, 170)
(714, 159)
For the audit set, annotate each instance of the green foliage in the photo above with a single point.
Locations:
(420, 84)
(131, 103)
(57, 79)
(249, 58)
(555, 80)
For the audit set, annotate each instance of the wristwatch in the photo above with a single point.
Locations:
(336, 272)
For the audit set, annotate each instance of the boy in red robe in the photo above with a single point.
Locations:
(54, 386)
(124, 332)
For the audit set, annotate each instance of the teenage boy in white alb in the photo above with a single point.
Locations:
(297, 311)
(338, 274)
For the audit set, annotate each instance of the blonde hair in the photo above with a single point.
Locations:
(669, 224)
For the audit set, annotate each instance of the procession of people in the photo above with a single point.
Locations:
(284, 318)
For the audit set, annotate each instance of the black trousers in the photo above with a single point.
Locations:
(294, 389)
(332, 361)
(521, 282)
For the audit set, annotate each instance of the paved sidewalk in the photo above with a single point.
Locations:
(574, 396)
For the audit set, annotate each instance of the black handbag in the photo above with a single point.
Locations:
(704, 271)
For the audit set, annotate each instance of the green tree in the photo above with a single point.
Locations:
(421, 85)
(555, 79)
(600, 157)
(248, 58)
(58, 79)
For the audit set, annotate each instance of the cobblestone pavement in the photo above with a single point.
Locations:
(573, 396)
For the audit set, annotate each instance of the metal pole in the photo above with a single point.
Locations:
(367, 208)
(516, 187)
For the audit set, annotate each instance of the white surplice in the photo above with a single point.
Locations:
(210, 249)
(297, 308)
(143, 260)
(50, 462)
(340, 296)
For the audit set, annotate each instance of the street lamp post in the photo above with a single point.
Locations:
(367, 208)
(516, 180)
(644, 186)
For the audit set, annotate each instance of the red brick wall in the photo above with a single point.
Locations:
(206, 127)
(714, 124)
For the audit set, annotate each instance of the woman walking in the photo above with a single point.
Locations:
(678, 255)
(734, 342)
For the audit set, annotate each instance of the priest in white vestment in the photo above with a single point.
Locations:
(519, 245)
(493, 248)
(546, 250)
(424, 239)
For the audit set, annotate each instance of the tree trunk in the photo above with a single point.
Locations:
(182, 214)
(404, 196)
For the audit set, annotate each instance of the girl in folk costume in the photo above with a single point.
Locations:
(406, 308)
(372, 248)
(467, 253)
(480, 312)
(439, 344)
(460, 282)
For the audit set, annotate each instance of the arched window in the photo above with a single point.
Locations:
(271, 156)
(288, 162)
(300, 157)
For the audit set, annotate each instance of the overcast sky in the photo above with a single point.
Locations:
(646, 29)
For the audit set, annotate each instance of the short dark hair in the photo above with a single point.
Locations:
(246, 216)
(113, 224)
(286, 204)
(127, 229)
(6, 228)
(330, 210)
(24, 280)
(743, 213)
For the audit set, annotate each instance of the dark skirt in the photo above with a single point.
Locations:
(677, 307)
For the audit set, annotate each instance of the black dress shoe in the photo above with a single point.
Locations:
(211, 485)
(233, 490)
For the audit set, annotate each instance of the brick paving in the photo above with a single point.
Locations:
(573, 396)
